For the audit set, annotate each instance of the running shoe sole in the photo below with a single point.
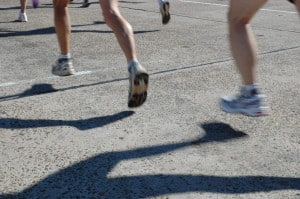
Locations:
(65, 72)
(21, 20)
(138, 92)
(165, 13)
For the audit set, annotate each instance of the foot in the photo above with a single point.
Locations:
(248, 104)
(63, 67)
(22, 17)
(164, 10)
(138, 84)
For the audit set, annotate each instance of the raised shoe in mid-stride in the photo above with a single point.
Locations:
(250, 105)
(165, 12)
(138, 84)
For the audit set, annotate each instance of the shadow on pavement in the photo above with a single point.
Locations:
(39, 31)
(89, 178)
(220, 132)
(11, 8)
(51, 30)
(83, 124)
(36, 89)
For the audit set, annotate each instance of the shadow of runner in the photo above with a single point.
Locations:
(85, 124)
(218, 131)
(88, 178)
(51, 30)
(11, 8)
(36, 89)
(39, 31)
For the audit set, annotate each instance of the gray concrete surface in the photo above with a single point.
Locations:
(74, 137)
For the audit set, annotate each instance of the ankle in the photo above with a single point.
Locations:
(249, 90)
(66, 56)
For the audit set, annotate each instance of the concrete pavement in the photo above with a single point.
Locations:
(74, 137)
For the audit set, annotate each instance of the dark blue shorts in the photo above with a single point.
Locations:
(292, 1)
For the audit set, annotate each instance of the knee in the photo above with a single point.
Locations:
(237, 21)
(60, 11)
(60, 4)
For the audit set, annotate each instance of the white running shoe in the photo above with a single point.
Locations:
(251, 105)
(63, 67)
(22, 17)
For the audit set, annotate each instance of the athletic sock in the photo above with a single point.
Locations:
(160, 2)
(249, 90)
(67, 56)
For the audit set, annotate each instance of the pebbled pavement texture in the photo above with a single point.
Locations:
(74, 137)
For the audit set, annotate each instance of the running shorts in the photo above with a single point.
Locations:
(292, 1)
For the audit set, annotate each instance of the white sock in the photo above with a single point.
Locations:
(160, 2)
(248, 89)
(133, 61)
(67, 56)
